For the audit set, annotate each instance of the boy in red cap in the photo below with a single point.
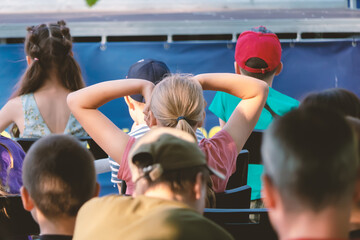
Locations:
(258, 55)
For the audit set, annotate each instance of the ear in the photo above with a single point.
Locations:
(129, 103)
(237, 68)
(356, 196)
(199, 188)
(27, 201)
(152, 120)
(28, 60)
(268, 193)
(97, 190)
(71, 53)
(279, 69)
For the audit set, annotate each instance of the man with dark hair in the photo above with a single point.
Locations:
(58, 177)
(258, 55)
(171, 174)
(311, 160)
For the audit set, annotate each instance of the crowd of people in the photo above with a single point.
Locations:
(309, 178)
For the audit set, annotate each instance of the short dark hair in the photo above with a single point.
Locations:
(339, 99)
(180, 180)
(59, 174)
(310, 156)
(257, 63)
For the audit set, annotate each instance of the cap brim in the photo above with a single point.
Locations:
(216, 173)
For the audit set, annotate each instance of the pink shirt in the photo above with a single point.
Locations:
(220, 151)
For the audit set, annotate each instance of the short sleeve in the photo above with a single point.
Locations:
(124, 170)
(221, 154)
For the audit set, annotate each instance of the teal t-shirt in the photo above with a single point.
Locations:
(223, 106)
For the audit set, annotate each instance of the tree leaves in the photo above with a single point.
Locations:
(90, 3)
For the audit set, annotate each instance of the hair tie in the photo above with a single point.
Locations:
(180, 118)
(36, 59)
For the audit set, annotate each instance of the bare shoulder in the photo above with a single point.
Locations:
(13, 104)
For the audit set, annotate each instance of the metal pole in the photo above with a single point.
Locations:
(352, 4)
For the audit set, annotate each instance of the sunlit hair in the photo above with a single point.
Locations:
(50, 48)
(177, 96)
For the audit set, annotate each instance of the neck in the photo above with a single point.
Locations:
(58, 226)
(52, 82)
(269, 81)
(330, 223)
(138, 118)
(163, 191)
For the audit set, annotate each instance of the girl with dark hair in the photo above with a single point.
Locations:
(38, 106)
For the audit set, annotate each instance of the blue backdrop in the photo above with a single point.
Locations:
(308, 66)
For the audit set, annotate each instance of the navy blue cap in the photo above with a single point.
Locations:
(148, 69)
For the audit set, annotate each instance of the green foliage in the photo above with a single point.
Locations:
(90, 3)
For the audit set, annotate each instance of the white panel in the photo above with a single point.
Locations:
(7, 6)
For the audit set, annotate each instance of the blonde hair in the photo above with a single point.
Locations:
(178, 102)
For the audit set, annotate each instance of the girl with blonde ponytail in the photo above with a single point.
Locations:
(177, 102)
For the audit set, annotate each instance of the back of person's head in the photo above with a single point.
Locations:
(339, 99)
(178, 102)
(310, 157)
(59, 175)
(50, 48)
(171, 157)
(149, 69)
(258, 53)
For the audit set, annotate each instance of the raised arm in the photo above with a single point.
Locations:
(253, 93)
(84, 103)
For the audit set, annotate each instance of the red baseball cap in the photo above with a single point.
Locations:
(258, 43)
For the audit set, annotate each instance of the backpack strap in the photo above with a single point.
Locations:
(273, 114)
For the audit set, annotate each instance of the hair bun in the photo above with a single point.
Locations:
(61, 23)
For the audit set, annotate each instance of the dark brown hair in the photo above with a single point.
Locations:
(50, 48)
(180, 181)
(257, 63)
(337, 99)
(311, 157)
(59, 174)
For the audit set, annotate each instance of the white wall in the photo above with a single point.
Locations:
(18, 6)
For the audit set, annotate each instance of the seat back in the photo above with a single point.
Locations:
(234, 198)
(239, 178)
(95, 149)
(15, 221)
(253, 145)
(237, 223)
(26, 143)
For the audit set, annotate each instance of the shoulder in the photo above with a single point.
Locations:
(222, 139)
(275, 95)
(12, 109)
(192, 225)
(14, 103)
